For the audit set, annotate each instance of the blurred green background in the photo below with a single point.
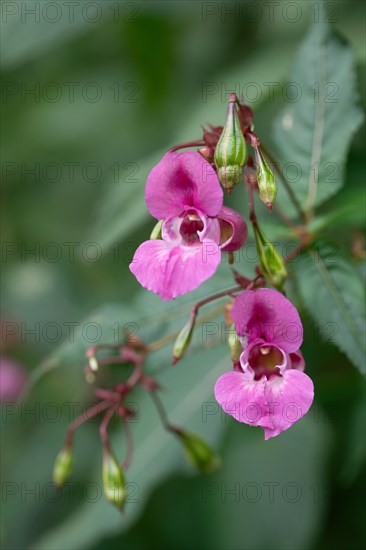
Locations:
(91, 99)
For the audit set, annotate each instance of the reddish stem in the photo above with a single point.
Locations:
(193, 143)
(92, 351)
(252, 214)
(90, 413)
(103, 428)
(163, 415)
(111, 396)
(135, 376)
(254, 141)
(227, 292)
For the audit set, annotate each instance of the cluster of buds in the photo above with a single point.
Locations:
(112, 402)
(226, 148)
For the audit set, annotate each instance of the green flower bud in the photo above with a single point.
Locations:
(271, 262)
(266, 180)
(156, 232)
(183, 339)
(63, 466)
(114, 483)
(231, 150)
(234, 345)
(198, 452)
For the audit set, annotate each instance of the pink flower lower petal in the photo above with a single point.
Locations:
(170, 270)
(180, 181)
(267, 314)
(289, 399)
(236, 229)
(243, 398)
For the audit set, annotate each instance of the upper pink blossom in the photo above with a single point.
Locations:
(269, 388)
(184, 191)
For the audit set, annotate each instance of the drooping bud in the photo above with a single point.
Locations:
(266, 180)
(231, 150)
(234, 345)
(271, 262)
(156, 232)
(183, 339)
(114, 483)
(63, 465)
(198, 452)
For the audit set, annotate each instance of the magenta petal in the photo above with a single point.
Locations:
(289, 399)
(182, 180)
(243, 398)
(12, 380)
(297, 361)
(239, 229)
(172, 270)
(267, 314)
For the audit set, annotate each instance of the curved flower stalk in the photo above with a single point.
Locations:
(183, 190)
(112, 403)
(268, 388)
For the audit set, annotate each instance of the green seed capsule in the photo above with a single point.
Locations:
(63, 466)
(271, 262)
(231, 150)
(266, 180)
(198, 452)
(183, 339)
(114, 483)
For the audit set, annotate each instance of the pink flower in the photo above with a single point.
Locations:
(184, 191)
(270, 389)
(12, 380)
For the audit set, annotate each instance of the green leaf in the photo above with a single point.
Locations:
(333, 293)
(30, 31)
(296, 491)
(347, 209)
(355, 451)
(314, 131)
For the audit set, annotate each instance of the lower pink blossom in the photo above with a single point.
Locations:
(269, 387)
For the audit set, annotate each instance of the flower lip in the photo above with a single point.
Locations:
(191, 227)
(264, 359)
